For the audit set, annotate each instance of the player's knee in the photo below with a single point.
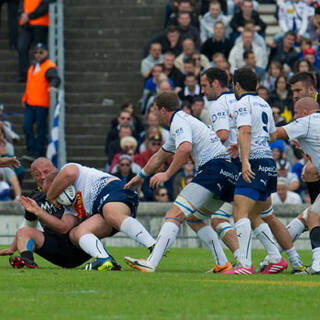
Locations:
(224, 212)
(25, 232)
(223, 228)
(185, 208)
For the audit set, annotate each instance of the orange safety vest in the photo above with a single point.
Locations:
(37, 87)
(28, 7)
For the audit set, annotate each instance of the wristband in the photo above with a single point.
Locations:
(143, 174)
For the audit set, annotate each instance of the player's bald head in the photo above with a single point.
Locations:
(42, 161)
(307, 103)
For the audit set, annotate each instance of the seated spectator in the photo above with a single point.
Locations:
(171, 71)
(124, 117)
(282, 97)
(198, 68)
(218, 43)
(303, 65)
(274, 71)
(293, 16)
(128, 147)
(187, 30)
(218, 60)
(283, 195)
(152, 131)
(188, 49)
(11, 136)
(169, 39)
(161, 195)
(304, 44)
(277, 152)
(114, 147)
(278, 119)
(263, 93)
(189, 67)
(283, 167)
(250, 62)
(191, 88)
(179, 182)
(247, 13)
(186, 106)
(136, 123)
(313, 28)
(10, 177)
(9, 146)
(184, 6)
(198, 110)
(236, 54)
(208, 21)
(225, 6)
(283, 51)
(154, 57)
(124, 170)
(311, 55)
(152, 83)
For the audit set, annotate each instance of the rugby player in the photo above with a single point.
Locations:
(212, 185)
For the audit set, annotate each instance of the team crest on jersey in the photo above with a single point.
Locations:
(179, 131)
(79, 206)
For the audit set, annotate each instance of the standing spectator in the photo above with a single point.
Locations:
(188, 49)
(13, 6)
(250, 62)
(217, 43)
(184, 6)
(172, 71)
(41, 80)
(209, 20)
(34, 23)
(191, 88)
(154, 57)
(293, 16)
(236, 54)
(187, 30)
(283, 196)
(161, 194)
(247, 13)
(281, 96)
(169, 39)
(283, 51)
(274, 71)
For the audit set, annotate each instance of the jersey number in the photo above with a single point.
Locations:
(264, 118)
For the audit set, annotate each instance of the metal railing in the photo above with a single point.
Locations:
(56, 54)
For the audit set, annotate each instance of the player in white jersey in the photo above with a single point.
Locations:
(258, 177)
(212, 185)
(220, 105)
(106, 205)
(306, 129)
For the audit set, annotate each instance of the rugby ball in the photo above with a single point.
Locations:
(67, 196)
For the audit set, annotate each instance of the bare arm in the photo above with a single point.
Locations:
(64, 178)
(273, 137)
(282, 133)
(63, 225)
(223, 135)
(15, 186)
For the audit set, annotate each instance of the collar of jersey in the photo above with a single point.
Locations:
(227, 92)
(248, 94)
(174, 114)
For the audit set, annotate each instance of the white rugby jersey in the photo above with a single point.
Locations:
(251, 110)
(88, 184)
(205, 143)
(307, 131)
(221, 115)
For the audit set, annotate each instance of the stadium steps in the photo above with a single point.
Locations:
(104, 41)
(268, 15)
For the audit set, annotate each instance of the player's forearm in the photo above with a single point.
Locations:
(180, 158)
(281, 133)
(52, 222)
(244, 141)
(156, 161)
(16, 187)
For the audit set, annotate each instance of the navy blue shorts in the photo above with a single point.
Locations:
(114, 192)
(219, 177)
(264, 183)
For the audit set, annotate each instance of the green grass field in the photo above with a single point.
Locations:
(180, 289)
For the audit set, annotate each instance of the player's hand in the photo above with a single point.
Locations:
(6, 252)
(233, 150)
(9, 162)
(30, 205)
(309, 173)
(135, 182)
(247, 174)
(157, 179)
(298, 147)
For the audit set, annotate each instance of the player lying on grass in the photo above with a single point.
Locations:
(212, 185)
(107, 207)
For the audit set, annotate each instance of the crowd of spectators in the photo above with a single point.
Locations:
(228, 34)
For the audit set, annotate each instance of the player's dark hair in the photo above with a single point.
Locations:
(305, 77)
(217, 74)
(168, 100)
(246, 78)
